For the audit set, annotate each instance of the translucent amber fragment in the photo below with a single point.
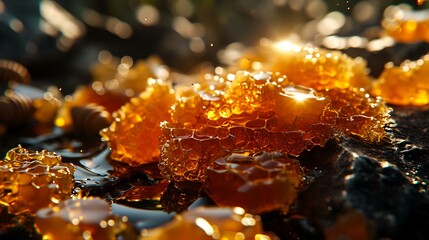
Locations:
(88, 218)
(407, 84)
(33, 180)
(308, 66)
(209, 223)
(134, 134)
(258, 183)
(406, 25)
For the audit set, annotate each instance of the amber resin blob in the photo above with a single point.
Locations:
(31, 180)
(256, 182)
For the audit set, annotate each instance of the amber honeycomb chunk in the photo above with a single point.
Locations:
(206, 223)
(134, 133)
(406, 25)
(405, 85)
(261, 112)
(88, 218)
(256, 182)
(307, 66)
(33, 180)
(256, 112)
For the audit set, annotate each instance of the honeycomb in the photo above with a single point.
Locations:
(355, 112)
(88, 218)
(407, 84)
(307, 66)
(406, 25)
(261, 111)
(134, 133)
(32, 180)
(270, 179)
(210, 223)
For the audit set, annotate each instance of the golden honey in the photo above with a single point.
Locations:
(406, 84)
(134, 133)
(270, 179)
(31, 180)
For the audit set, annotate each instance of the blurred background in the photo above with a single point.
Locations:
(59, 40)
